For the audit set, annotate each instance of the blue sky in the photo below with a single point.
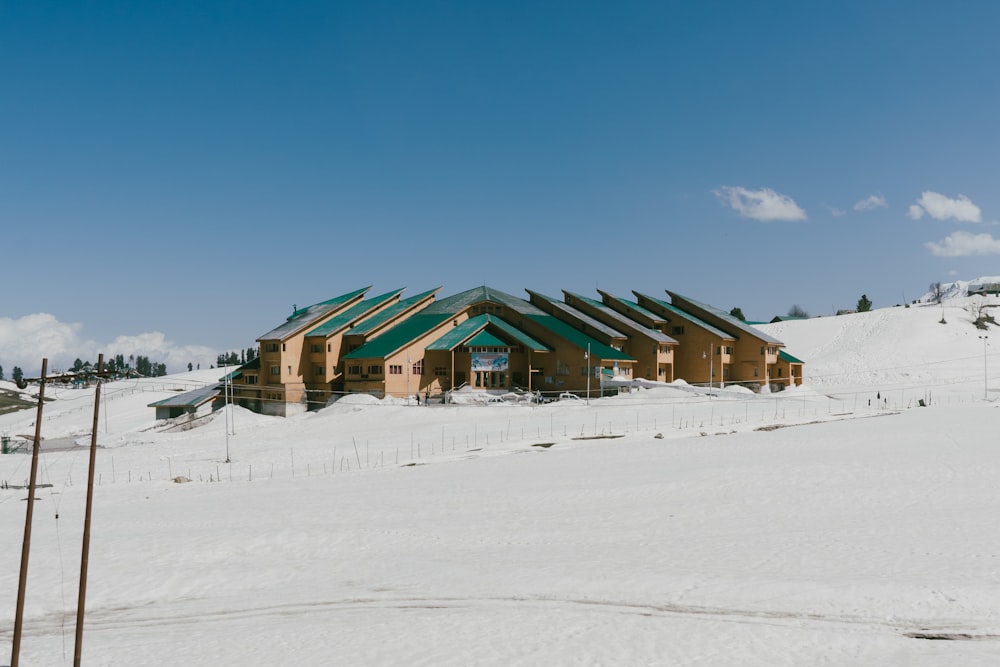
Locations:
(192, 170)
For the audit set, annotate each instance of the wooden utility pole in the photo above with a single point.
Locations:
(26, 545)
(84, 558)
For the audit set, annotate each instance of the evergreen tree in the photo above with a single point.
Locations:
(1, 372)
(738, 314)
(18, 375)
(190, 367)
(864, 304)
(797, 311)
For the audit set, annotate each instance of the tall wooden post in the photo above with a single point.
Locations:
(85, 556)
(26, 544)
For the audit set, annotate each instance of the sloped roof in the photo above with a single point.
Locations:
(369, 324)
(625, 321)
(784, 356)
(304, 317)
(589, 320)
(355, 312)
(669, 307)
(631, 306)
(189, 399)
(477, 326)
(440, 311)
(721, 318)
(400, 335)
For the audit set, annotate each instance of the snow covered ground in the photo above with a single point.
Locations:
(836, 523)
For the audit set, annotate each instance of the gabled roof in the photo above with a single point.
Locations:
(372, 323)
(784, 356)
(720, 318)
(440, 311)
(469, 331)
(354, 313)
(623, 320)
(304, 317)
(578, 314)
(688, 317)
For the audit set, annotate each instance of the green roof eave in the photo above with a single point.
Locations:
(352, 314)
(399, 336)
(784, 356)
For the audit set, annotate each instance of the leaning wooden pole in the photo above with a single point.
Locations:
(26, 545)
(84, 558)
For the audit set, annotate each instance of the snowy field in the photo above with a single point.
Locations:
(837, 523)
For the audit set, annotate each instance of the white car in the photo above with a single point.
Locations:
(567, 396)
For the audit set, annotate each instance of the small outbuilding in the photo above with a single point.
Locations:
(194, 402)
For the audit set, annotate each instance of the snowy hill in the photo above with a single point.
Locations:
(831, 523)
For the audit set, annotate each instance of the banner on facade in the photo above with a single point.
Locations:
(482, 361)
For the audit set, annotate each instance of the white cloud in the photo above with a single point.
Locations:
(871, 202)
(834, 211)
(940, 207)
(764, 205)
(964, 244)
(25, 341)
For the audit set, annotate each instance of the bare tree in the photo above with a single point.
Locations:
(937, 292)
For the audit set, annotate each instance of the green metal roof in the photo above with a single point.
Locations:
(486, 339)
(369, 324)
(399, 335)
(624, 320)
(433, 315)
(723, 318)
(355, 312)
(784, 356)
(685, 315)
(578, 314)
(476, 326)
(304, 317)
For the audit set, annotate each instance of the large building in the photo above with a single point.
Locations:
(486, 339)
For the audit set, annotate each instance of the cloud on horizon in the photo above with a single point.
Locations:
(764, 205)
(940, 207)
(965, 244)
(25, 341)
(871, 202)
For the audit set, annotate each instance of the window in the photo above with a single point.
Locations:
(275, 370)
(677, 331)
(354, 370)
(755, 372)
(562, 368)
(418, 367)
(316, 347)
(441, 371)
(270, 347)
(289, 370)
(375, 369)
(250, 379)
(395, 369)
(319, 371)
(283, 349)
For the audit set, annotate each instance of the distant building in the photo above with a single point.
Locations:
(984, 288)
(486, 339)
